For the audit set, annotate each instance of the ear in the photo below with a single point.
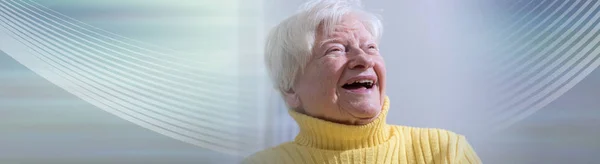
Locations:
(292, 99)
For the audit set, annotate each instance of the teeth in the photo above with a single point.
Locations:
(363, 81)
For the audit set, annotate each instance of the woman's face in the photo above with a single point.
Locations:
(344, 81)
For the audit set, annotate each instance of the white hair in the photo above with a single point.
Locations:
(289, 44)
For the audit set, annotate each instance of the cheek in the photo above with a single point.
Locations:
(320, 77)
(379, 64)
(380, 67)
(318, 85)
(324, 78)
(380, 70)
(332, 70)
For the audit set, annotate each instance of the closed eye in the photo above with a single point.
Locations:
(372, 48)
(335, 49)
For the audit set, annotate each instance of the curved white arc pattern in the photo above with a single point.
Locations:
(532, 47)
(525, 27)
(114, 82)
(518, 21)
(123, 107)
(136, 65)
(84, 54)
(571, 37)
(120, 80)
(108, 38)
(558, 66)
(593, 64)
(563, 57)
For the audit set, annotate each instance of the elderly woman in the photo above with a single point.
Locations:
(325, 61)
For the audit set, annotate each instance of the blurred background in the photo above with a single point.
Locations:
(183, 81)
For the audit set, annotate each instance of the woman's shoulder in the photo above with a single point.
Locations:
(438, 141)
(430, 135)
(427, 137)
(424, 133)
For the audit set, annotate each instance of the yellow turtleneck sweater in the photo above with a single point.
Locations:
(321, 141)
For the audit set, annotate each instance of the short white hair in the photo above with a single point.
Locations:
(289, 44)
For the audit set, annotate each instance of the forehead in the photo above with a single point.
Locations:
(350, 26)
(353, 26)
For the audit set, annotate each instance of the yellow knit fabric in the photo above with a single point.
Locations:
(325, 142)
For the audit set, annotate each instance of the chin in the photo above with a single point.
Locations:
(365, 110)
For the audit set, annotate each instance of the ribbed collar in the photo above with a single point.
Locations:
(328, 135)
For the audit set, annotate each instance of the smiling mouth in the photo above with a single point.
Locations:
(360, 84)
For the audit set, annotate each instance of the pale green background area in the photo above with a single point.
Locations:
(205, 31)
(42, 123)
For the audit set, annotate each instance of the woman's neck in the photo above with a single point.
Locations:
(322, 134)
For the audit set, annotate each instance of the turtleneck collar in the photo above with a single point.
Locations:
(324, 134)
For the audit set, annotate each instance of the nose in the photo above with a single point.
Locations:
(361, 60)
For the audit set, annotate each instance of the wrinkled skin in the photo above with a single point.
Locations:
(348, 53)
